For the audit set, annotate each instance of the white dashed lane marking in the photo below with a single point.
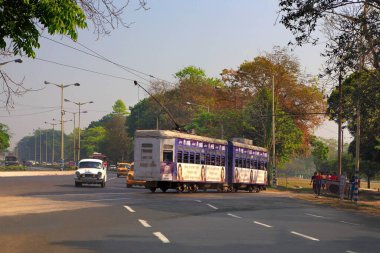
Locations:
(197, 200)
(233, 215)
(305, 236)
(313, 215)
(213, 207)
(129, 209)
(350, 223)
(145, 223)
(349, 251)
(262, 224)
(160, 236)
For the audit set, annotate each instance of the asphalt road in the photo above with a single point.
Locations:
(48, 214)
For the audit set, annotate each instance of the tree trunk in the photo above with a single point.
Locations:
(368, 182)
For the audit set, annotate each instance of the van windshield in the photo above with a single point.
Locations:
(94, 165)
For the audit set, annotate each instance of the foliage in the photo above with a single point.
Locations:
(92, 140)
(119, 107)
(320, 151)
(4, 137)
(352, 28)
(116, 144)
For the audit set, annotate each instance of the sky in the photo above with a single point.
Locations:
(170, 35)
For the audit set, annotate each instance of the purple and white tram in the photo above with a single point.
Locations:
(186, 162)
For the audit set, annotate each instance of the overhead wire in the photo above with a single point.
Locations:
(101, 57)
(29, 114)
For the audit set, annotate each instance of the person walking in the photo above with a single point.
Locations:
(313, 181)
(318, 182)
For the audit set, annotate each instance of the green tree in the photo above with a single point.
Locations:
(119, 107)
(319, 151)
(92, 140)
(352, 29)
(4, 137)
(116, 144)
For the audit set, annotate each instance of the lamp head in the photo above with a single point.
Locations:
(18, 60)
(46, 82)
(76, 84)
(66, 100)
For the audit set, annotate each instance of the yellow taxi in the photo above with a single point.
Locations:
(130, 180)
(122, 169)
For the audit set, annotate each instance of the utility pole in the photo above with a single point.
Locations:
(340, 147)
(274, 137)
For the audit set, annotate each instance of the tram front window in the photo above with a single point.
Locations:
(168, 156)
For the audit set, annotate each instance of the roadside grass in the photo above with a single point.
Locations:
(369, 200)
(12, 168)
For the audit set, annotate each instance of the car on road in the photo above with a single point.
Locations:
(112, 167)
(130, 178)
(122, 169)
(91, 171)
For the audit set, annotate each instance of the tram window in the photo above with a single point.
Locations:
(223, 161)
(185, 156)
(168, 155)
(212, 160)
(192, 157)
(240, 162)
(146, 151)
(179, 156)
(237, 162)
(197, 158)
(217, 160)
(146, 145)
(203, 159)
(244, 163)
(208, 159)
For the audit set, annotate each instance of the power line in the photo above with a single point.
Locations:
(29, 114)
(101, 57)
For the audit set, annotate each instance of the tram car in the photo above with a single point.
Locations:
(174, 160)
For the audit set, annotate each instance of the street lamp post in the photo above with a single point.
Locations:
(52, 152)
(74, 139)
(62, 113)
(79, 104)
(17, 60)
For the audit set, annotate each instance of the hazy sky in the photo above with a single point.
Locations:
(172, 34)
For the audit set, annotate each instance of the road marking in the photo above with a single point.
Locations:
(349, 251)
(98, 200)
(305, 236)
(197, 200)
(130, 209)
(262, 224)
(145, 223)
(213, 207)
(313, 215)
(233, 215)
(350, 223)
(161, 237)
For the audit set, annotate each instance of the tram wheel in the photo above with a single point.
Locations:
(152, 189)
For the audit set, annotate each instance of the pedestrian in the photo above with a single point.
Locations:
(313, 181)
(318, 184)
(352, 188)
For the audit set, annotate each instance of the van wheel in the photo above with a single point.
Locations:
(103, 184)
(163, 189)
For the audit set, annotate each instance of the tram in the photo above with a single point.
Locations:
(167, 159)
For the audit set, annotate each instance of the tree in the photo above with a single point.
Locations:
(22, 22)
(4, 137)
(352, 28)
(116, 144)
(92, 140)
(119, 107)
(361, 87)
(320, 151)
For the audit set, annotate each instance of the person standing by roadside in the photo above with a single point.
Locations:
(313, 181)
(318, 184)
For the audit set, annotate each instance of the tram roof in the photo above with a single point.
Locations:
(175, 134)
